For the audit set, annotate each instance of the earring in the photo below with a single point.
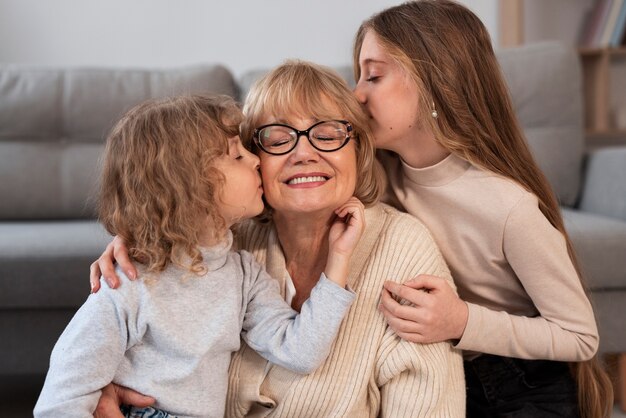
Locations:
(434, 113)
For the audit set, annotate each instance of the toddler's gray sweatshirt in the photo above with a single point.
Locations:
(172, 337)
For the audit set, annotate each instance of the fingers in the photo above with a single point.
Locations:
(417, 297)
(120, 254)
(94, 277)
(108, 404)
(116, 251)
(425, 281)
(396, 309)
(407, 330)
(113, 396)
(353, 212)
(397, 323)
(128, 396)
(353, 206)
(106, 266)
(435, 313)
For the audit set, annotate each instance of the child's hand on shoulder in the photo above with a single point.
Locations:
(347, 227)
(345, 233)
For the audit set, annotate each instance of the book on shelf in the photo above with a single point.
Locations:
(617, 37)
(605, 24)
(611, 20)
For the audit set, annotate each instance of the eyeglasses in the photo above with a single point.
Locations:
(325, 136)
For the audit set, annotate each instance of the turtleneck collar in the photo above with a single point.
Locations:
(445, 171)
(216, 256)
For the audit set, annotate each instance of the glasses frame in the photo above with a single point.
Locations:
(300, 134)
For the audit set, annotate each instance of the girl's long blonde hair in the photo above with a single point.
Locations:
(447, 51)
(158, 186)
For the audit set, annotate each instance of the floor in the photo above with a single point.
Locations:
(18, 398)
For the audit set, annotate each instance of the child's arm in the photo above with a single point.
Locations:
(85, 358)
(301, 342)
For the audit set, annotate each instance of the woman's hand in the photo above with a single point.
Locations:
(344, 235)
(116, 251)
(436, 312)
(113, 396)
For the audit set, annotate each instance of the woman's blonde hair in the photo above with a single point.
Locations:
(159, 187)
(309, 90)
(447, 51)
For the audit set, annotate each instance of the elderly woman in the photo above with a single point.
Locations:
(315, 152)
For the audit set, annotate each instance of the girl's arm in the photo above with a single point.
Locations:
(85, 357)
(565, 328)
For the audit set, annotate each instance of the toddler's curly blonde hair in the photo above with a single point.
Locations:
(159, 187)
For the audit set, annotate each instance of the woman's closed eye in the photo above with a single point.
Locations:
(280, 142)
(372, 78)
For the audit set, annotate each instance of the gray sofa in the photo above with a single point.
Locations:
(52, 125)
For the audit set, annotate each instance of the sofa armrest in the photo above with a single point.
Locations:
(604, 187)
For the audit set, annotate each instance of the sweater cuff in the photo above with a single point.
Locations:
(344, 295)
(472, 328)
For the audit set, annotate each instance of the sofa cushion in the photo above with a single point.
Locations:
(609, 306)
(545, 84)
(600, 243)
(53, 123)
(604, 191)
(30, 336)
(46, 264)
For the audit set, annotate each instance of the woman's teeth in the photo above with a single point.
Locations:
(312, 179)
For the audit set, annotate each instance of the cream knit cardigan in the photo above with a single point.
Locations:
(370, 371)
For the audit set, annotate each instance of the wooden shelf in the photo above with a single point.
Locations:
(596, 64)
(594, 141)
(594, 52)
(607, 134)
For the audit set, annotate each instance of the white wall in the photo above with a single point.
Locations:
(555, 19)
(241, 34)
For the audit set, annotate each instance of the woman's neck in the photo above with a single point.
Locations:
(422, 150)
(304, 241)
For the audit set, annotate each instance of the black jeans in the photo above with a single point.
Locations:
(506, 387)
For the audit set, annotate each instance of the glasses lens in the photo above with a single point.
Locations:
(277, 139)
(329, 136)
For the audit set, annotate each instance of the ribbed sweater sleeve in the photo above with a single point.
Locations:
(416, 380)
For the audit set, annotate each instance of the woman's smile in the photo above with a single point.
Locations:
(308, 180)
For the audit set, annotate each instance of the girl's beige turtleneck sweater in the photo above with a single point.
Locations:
(508, 262)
